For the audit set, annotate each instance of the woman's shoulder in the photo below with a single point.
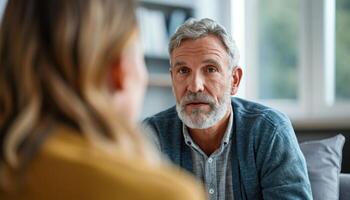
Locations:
(69, 166)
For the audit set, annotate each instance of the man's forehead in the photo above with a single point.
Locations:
(208, 45)
(198, 53)
(202, 52)
(207, 41)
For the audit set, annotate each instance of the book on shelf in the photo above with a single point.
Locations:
(177, 17)
(156, 27)
(153, 31)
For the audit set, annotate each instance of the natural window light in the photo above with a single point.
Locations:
(342, 50)
(296, 57)
(278, 43)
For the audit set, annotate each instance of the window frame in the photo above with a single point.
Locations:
(316, 106)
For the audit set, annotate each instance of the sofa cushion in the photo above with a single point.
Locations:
(323, 158)
(344, 187)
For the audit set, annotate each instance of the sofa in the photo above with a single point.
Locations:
(344, 187)
(324, 161)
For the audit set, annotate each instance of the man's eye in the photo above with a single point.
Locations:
(211, 69)
(183, 70)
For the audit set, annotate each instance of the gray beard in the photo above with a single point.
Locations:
(199, 119)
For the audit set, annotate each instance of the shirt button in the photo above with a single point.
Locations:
(211, 191)
(210, 160)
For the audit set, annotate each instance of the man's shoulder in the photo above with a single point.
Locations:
(166, 127)
(165, 115)
(249, 111)
(164, 120)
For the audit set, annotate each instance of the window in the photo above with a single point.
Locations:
(278, 39)
(296, 58)
(342, 51)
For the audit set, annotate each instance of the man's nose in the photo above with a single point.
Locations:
(196, 83)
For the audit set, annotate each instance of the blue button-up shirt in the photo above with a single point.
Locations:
(215, 171)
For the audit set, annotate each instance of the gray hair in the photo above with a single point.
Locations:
(195, 29)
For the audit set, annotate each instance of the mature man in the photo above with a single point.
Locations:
(239, 149)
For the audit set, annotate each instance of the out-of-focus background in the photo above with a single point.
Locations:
(295, 55)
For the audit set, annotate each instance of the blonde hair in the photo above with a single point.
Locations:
(54, 58)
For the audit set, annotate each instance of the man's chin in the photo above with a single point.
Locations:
(197, 122)
(196, 112)
(199, 107)
(197, 125)
(197, 115)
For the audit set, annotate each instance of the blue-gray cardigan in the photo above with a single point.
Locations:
(266, 160)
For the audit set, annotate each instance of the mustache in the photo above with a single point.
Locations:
(195, 97)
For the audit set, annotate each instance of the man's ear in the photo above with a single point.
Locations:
(117, 75)
(237, 74)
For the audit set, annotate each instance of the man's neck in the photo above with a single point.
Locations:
(210, 139)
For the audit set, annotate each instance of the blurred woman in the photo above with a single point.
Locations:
(72, 80)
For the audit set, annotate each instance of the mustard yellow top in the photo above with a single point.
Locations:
(68, 167)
